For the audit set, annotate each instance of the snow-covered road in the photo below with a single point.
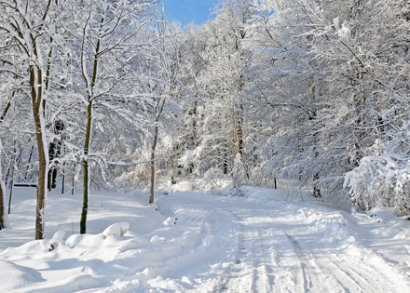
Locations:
(282, 246)
(202, 243)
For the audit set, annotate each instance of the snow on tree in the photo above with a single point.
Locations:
(381, 181)
(29, 27)
(213, 125)
(105, 34)
(322, 94)
(306, 90)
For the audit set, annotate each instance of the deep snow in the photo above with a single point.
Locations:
(267, 241)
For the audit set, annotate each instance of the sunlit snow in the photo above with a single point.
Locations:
(267, 241)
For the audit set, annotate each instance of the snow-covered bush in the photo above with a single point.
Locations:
(214, 180)
(381, 181)
(187, 160)
(137, 178)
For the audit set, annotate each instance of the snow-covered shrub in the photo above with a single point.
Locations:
(214, 180)
(137, 178)
(187, 160)
(381, 181)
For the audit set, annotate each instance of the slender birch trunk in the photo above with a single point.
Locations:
(153, 148)
(39, 124)
(86, 171)
(3, 221)
(3, 216)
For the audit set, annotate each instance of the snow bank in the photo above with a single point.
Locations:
(14, 277)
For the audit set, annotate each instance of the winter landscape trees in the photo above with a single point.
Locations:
(26, 29)
(303, 90)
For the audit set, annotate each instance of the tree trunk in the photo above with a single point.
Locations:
(42, 176)
(312, 117)
(38, 112)
(12, 180)
(73, 181)
(87, 141)
(2, 205)
(28, 163)
(6, 179)
(63, 179)
(10, 195)
(3, 216)
(238, 136)
(154, 146)
(361, 120)
(86, 171)
(225, 162)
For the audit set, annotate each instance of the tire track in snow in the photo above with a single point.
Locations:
(252, 271)
(320, 266)
(236, 270)
(363, 276)
(314, 278)
(287, 247)
(341, 275)
(220, 227)
(265, 272)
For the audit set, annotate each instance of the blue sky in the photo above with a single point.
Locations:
(188, 11)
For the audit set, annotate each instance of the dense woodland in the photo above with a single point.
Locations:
(109, 94)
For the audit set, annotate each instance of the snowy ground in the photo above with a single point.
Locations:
(267, 241)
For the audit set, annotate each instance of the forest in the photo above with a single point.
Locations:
(108, 94)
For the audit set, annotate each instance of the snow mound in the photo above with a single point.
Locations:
(169, 221)
(13, 276)
(85, 240)
(59, 235)
(56, 240)
(118, 229)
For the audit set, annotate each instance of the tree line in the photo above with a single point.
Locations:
(110, 94)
